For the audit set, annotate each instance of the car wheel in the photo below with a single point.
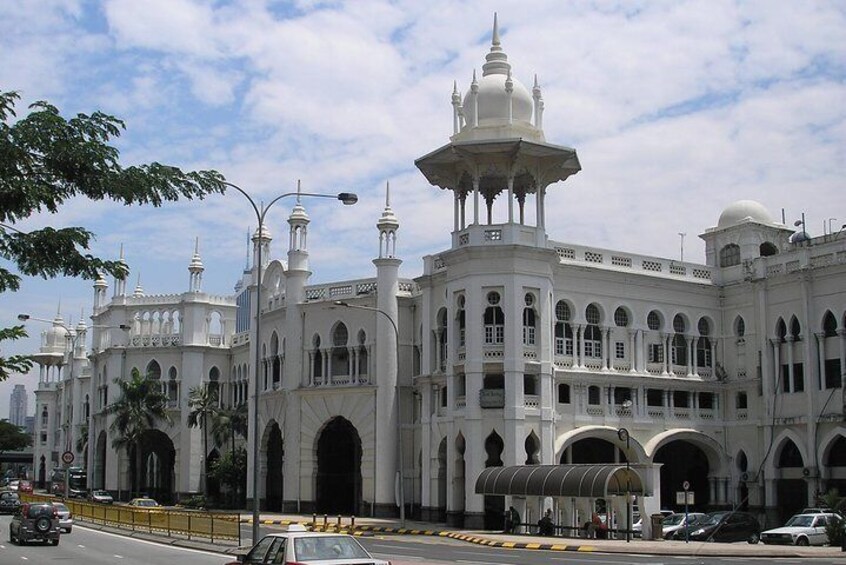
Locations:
(67, 530)
(754, 538)
(54, 541)
(803, 542)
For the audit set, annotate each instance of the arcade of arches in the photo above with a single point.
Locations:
(338, 469)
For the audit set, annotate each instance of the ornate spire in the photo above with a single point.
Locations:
(298, 214)
(195, 268)
(388, 225)
(496, 61)
(139, 290)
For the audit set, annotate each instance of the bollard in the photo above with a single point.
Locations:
(352, 522)
(325, 521)
(339, 521)
(314, 520)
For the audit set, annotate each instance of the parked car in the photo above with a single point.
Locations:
(147, 503)
(14, 484)
(802, 529)
(25, 486)
(298, 545)
(65, 517)
(637, 519)
(675, 522)
(9, 502)
(723, 526)
(35, 522)
(100, 496)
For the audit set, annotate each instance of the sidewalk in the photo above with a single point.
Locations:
(390, 526)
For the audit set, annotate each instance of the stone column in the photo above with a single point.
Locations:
(690, 353)
(791, 382)
(604, 337)
(842, 334)
(580, 342)
(633, 353)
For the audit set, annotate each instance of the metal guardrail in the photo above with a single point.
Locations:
(213, 526)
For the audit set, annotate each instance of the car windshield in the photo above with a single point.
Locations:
(711, 519)
(327, 548)
(673, 520)
(60, 507)
(800, 521)
(146, 502)
(101, 493)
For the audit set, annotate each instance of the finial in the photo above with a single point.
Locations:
(121, 251)
(474, 83)
(509, 82)
(59, 308)
(299, 190)
(495, 36)
(387, 194)
(197, 245)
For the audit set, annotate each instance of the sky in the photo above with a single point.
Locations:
(676, 109)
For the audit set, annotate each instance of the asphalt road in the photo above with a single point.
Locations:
(93, 547)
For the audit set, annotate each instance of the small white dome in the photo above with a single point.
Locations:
(742, 211)
(493, 101)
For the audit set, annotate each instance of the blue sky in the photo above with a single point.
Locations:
(676, 109)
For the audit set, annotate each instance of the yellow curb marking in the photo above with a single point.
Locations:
(508, 544)
(533, 546)
(586, 548)
(557, 547)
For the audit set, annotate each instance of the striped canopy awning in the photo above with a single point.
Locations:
(593, 481)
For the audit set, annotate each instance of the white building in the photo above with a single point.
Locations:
(513, 349)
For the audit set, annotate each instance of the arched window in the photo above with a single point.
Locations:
(679, 352)
(730, 255)
(443, 339)
(564, 393)
(494, 321)
(563, 329)
(767, 249)
(362, 353)
(653, 321)
(621, 317)
(592, 335)
(86, 408)
(781, 330)
(214, 383)
(44, 416)
(340, 354)
(172, 393)
(460, 318)
(795, 329)
(275, 361)
(154, 372)
(829, 325)
(593, 395)
(739, 327)
(529, 320)
(703, 344)
(317, 367)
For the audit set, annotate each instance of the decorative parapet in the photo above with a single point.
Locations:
(617, 261)
(351, 289)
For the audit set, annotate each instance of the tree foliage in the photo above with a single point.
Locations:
(202, 402)
(12, 437)
(47, 159)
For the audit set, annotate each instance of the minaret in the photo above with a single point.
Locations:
(295, 365)
(195, 280)
(139, 290)
(120, 283)
(100, 286)
(387, 349)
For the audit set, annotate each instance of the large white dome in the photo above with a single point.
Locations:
(744, 210)
(493, 101)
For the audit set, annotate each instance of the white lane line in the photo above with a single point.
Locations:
(138, 540)
(118, 556)
(24, 557)
(80, 546)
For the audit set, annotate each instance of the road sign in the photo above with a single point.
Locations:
(684, 497)
(686, 485)
(67, 457)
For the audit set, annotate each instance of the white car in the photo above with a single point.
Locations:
(637, 527)
(298, 545)
(65, 517)
(801, 529)
(675, 522)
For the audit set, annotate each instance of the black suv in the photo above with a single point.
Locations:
(35, 522)
(9, 502)
(723, 526)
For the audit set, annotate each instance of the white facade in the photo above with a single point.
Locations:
(512, 349)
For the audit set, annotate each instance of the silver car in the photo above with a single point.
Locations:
(298, 545)
(65, 517)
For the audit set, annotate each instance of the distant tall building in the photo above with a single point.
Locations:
(17, 406)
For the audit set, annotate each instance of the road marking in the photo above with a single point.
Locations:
(81, 546)
(24, 557)
(118, 556)
(159, 544)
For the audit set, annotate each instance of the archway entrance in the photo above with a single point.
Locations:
(593, 450)
(338, 468)
(494, 505)
(791, 488)
(683, 461)
(836, 465)
(441, 504)
(99, 477)
(152, 472)
(275, 451)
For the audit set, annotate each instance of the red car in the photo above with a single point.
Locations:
(25, 486)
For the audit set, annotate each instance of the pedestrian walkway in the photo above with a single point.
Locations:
(365, 526)
(391, 526)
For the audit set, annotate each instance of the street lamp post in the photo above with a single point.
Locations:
(623, 434)
(261, 210)
(398, 401)
(71, 336)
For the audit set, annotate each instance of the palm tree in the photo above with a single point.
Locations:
(226, 424)
(82, 441)
(138, 408)
(202, 401)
